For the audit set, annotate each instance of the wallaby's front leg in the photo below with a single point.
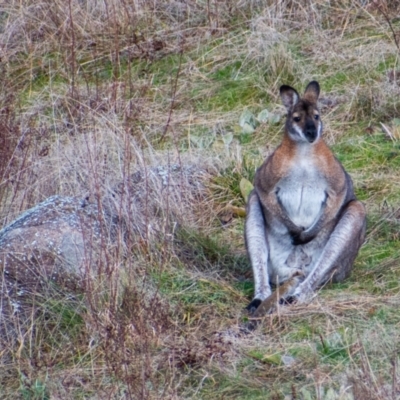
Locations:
(257, 248)
(340, 251)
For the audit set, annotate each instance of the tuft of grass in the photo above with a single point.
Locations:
(36, 391)
(226, 186)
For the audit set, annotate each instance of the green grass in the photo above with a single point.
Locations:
(374, 151)
(162, 71)
(200, 274)
(334, 349)
(231, 88)
(226, 186)
(390, 62)
(193, 291)
(37, 391)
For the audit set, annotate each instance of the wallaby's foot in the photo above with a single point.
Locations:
(288, 300)
(253, 305)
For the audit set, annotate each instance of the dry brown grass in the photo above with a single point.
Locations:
(92, 91)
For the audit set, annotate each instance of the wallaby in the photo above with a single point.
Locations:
(302, 216)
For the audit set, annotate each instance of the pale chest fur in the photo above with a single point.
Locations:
(302, 193)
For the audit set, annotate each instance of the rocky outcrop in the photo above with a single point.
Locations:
(61, 242)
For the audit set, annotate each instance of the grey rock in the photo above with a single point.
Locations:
(63, 241)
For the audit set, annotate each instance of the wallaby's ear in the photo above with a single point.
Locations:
(289, 96)
(312, 92)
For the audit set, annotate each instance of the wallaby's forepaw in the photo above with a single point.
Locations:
(300, 238)
(253, 305)
(296, 239)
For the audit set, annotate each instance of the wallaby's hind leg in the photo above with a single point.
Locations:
(336, 260)
(257, 249)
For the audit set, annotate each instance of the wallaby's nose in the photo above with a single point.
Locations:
(311, 132)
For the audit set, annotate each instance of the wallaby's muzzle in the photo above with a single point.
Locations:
(311, 132)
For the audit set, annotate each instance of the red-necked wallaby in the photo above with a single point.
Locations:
(302, 216)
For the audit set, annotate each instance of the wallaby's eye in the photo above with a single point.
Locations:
(296, 119)
(316, 116)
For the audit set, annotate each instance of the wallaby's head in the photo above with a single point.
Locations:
(303, 123)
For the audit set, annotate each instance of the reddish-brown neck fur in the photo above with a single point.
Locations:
(286, 153)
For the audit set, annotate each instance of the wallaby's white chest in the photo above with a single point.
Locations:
(302, 193)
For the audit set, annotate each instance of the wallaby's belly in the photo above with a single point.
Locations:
(284, 259)
(302, 198)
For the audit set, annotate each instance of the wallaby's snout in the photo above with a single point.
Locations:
(311, 131)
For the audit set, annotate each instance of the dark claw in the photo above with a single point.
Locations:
(288, 300)
(253, 305)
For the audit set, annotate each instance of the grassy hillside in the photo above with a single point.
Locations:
(92, 90)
